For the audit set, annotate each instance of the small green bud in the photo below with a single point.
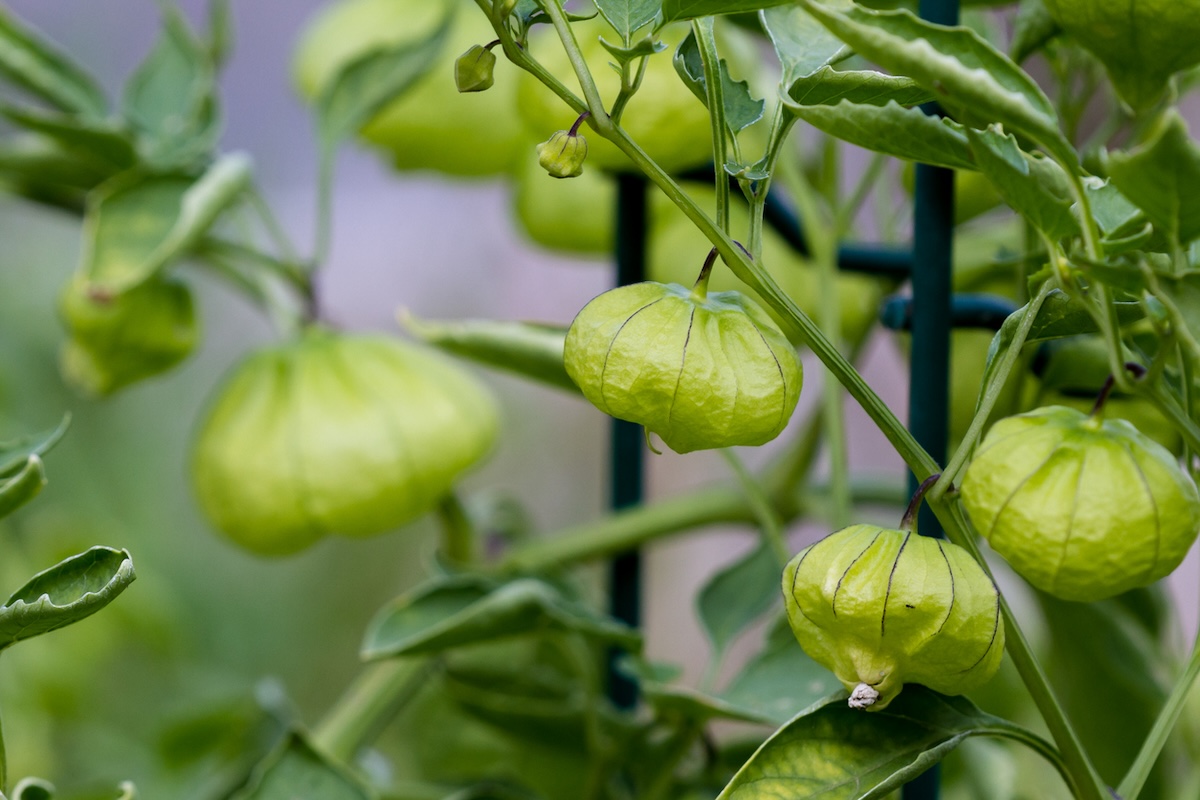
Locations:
(563, 155)
(473, 69)
(701, 371)
(505, 7)
(1082, 508)
(118, 339)
(882, 607)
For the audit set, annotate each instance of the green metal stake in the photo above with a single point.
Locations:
(628, 443)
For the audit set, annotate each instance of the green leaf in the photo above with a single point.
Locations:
(1033, 186)
(627, 16)
(1061, 315)
(29, 61)
(1161, 177)
(139, 224)
(38, 161)
(827, 86)
(15, 454)
(1183, 292)
(892, 129)
(33, 789)
(741, 109)
(781, 681)
(22, 487)
(1111, 675)
(970, 77)
(457, 611)
(365, 85)
(66, 593)
(96, 142)
(836, 752)
(1114, 213)
(802, 43)
(296, 771)
(691, 9)
(528, 349)
(1033, 28)
(737, 595)
(171, 97)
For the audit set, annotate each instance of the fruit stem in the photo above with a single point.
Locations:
(909, 521)
(578, 121)
(700, 287)
(1110, 383)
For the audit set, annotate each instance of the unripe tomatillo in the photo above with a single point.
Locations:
(701, 370)
(474, 70)
(1082, 508)
(882, 607)
(563, 154)
(336, 434)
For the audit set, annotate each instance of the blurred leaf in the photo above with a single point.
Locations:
(1112, 677)
(35, 65)
(737, 595)
(1032, 29)
(40, 161)
(528, 349)
(99, 143)
(741, 109)
(14, 454)
(802, 43)
(893, 130)
(968, 75)
(66, 593)
(456, 611)
(832, 750)
(171, 97)
(1113, 211)
(627, 16)
(298, 772)
(220, 32)
(1160, 177)
(690, 9)
(1033, 186)
(827, 86)
(782, 680)
(365, 85)
(22, 487)
(138, 225)
(33, 789)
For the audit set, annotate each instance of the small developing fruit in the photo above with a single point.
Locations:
(118, 339)
(336, 434)
(1081, 508)
(563, 154)
(882, 607)
(474, 70)
(700, 370)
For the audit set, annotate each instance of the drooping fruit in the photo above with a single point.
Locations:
(1082, 508)
(701, 371)
(336, 434)
(882, 607)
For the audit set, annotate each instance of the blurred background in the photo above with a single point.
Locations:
(205, 624)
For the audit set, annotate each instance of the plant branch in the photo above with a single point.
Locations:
(369, 703)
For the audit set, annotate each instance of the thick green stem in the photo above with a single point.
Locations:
(629, 529)
(591, 94)
(1135, 779)
(369, 703)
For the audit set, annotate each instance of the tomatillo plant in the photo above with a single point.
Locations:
(489, 675)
